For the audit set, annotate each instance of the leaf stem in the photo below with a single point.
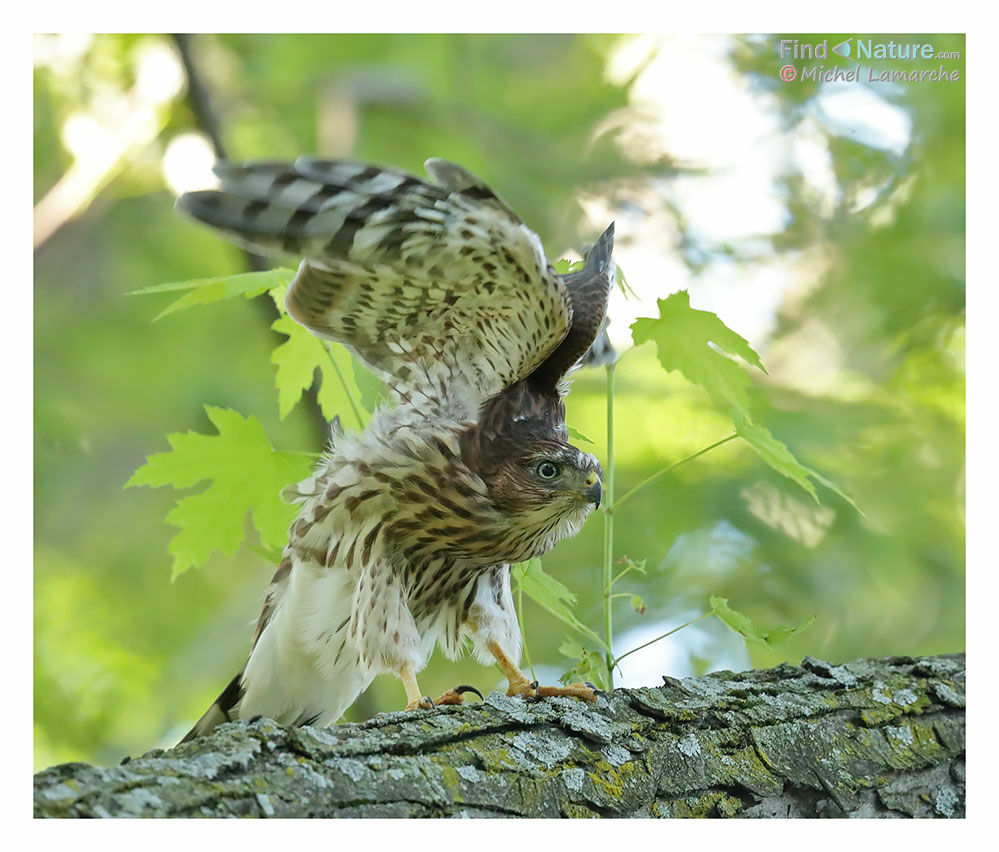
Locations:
(523, 629)
(624, 571)
(614, 506)
(667, 633)
(608, 566)
(345, 385)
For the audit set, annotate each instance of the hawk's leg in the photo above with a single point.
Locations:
(520, 685)
(417, 701)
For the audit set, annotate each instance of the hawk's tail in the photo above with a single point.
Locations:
(222, 709)
(314, 207)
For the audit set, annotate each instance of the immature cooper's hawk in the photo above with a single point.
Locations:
(407, 530)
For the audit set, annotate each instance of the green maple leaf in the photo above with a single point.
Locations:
(776, 454)
(246, 476)
(564, 266)
(344, 380)
(686, 340)
(741, 624)
(201, 291)
(549, 594)
(588, 666)
(683, 336)
(297, 360)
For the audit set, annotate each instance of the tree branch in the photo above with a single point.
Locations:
(871, 738)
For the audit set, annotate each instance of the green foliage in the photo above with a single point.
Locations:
(865, 353)
(683, 338)
(246, 475)
(576, 435)
(775, 454)
(298, 359)
(773, 639)
(588, 666)
(372, 391)
(530, 578)
(204, 291)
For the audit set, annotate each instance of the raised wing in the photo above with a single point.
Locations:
(588, 289)
(438, 286)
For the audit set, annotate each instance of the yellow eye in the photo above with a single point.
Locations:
(548, 470)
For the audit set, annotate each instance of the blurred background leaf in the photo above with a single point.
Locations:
(824, 223)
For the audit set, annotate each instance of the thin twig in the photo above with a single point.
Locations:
(198, 98)
(667, 633)
(614, 506)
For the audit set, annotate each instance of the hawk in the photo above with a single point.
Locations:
(407, 529)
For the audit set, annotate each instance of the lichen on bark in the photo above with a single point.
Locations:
(880, 738)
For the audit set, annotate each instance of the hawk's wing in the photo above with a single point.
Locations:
(438, 286)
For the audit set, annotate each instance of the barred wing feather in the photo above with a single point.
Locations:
(439, 287)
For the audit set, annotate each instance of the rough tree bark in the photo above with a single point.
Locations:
(871, 738)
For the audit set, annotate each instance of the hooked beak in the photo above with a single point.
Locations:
(593, 491)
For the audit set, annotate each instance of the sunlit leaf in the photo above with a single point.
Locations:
(623, 285)
(578, 436)
(564, 266)
(741, 624)
(269, 554)
(683, 336)
(638, 604)
(297, 360)
(204, 290)
(246, 475)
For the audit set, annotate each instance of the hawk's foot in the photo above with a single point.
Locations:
(456, 695)
(422, 703)
(528, 689)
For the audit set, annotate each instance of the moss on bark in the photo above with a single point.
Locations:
(880, 738)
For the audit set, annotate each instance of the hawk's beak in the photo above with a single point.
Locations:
(593, 491)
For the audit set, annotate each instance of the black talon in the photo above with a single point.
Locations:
(429, 701)
(461, 690)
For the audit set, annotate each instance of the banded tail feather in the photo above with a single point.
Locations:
(223, 709)
(313, 207)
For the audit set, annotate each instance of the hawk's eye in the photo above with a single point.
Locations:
(548, 470)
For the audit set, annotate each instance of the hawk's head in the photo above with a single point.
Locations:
(543, 485)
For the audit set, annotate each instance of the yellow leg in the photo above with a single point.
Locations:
(520, 685)
(415, 699)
